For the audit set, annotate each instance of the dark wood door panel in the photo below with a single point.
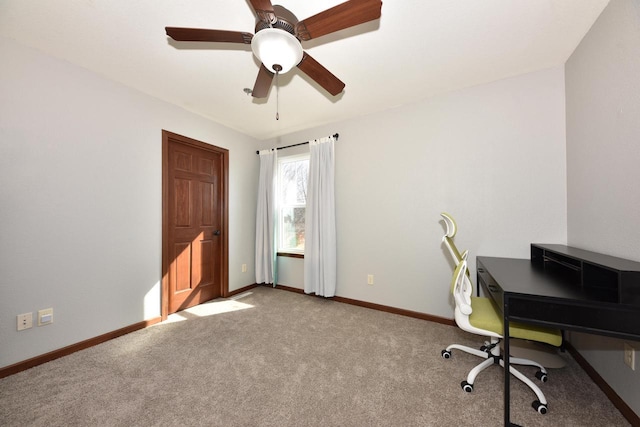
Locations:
(180, 272)
(195, 223)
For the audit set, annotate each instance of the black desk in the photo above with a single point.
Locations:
(529, 293)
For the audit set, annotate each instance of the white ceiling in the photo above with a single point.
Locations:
(417, 49)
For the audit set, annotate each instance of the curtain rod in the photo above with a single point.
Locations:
(335, 135)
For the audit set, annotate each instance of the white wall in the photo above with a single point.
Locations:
(80, 220)
(603, 154)
(493, 156)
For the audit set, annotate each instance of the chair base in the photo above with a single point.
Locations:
(491, 352)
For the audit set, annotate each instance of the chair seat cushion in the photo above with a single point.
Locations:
(486, 316)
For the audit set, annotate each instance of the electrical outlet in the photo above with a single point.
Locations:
(25, 321)
(629, 356)
(244, 268)
(370, 279)
(45, 317)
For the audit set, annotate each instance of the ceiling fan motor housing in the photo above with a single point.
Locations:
(285, 20)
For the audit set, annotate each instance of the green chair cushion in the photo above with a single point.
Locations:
(486, 316)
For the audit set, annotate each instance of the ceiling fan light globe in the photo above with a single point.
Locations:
(276, 47)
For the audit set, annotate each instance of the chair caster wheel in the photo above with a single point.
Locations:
(446, 354)
(466, 386)
(540, 407)
(542, 376)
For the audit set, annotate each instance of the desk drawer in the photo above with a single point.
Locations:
(490, 286)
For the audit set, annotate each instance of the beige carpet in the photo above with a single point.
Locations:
(277, 358)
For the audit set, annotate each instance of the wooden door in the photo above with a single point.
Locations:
(195, 244)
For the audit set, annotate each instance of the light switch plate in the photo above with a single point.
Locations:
(45, 317)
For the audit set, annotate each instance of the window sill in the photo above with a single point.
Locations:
(291, 255)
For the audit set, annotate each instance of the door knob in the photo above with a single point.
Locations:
(216, 233)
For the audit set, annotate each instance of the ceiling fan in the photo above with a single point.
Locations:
(277, 38)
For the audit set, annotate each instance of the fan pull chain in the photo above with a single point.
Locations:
(277, 68)
(277, 96)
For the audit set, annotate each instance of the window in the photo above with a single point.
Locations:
(293, 173)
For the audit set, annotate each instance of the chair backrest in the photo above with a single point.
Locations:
(462, 289)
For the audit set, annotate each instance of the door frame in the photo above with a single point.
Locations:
(176, 138)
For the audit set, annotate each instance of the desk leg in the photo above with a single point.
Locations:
(505, 357)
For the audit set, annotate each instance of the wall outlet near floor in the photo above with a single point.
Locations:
(244, 268)
(630, 356)
(370, 279)
(25, 321)
(45, 316)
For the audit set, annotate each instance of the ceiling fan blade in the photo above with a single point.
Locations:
(201, 35)
(263, 83)
(345, 15)
(320, 75)
(264, 10)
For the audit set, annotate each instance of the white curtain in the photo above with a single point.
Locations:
(320, 221)
(266, 219)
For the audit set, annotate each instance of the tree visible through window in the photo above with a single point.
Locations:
(293, 173)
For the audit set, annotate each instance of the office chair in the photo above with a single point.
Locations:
(479, 316)
(518, 347)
